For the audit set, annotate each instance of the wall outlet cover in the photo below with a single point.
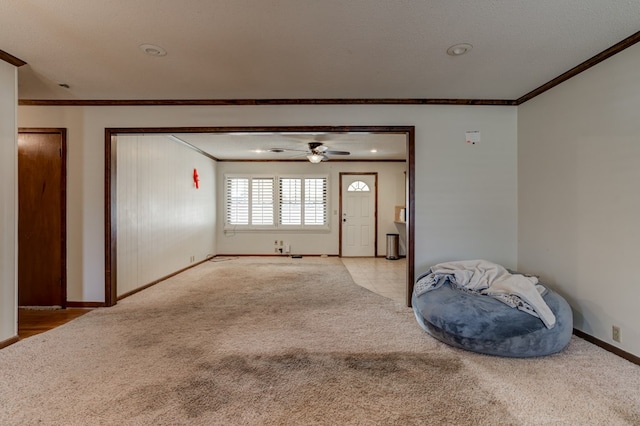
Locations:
(615, 333)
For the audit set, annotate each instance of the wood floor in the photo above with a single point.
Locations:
(32, 321)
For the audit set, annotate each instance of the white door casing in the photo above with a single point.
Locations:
(358, 215)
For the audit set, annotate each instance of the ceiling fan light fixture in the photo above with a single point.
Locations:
(459, 49)
(315, 158)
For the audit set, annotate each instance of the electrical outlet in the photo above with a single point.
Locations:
(275, 249)
(615, 333)
(280, 242)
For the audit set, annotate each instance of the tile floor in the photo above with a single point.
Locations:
(385, 277)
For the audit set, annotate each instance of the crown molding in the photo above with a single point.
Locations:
(591, 62)
(7, 57)
(258, 102)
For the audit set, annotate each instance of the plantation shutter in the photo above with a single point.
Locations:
(290, 201)
(315, 201)
(262, 201)
(237, 195)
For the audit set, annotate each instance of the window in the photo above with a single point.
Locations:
(290, 201)
(311, 212)
(315, 201)
(262, 201)
(358, 186)
(251, 202)
(237, 195)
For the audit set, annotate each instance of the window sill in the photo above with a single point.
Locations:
(295, 229)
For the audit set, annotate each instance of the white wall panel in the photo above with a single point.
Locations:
(8, 201)
(579, 201)
(164, 223)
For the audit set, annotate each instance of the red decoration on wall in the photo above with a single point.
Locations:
(196, 178)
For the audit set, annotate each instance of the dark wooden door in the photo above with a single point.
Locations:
(41, 217)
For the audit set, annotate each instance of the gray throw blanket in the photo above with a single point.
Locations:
(486, 278)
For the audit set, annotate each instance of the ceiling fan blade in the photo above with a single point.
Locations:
(301, 155)
(337, 152)
(279, 150)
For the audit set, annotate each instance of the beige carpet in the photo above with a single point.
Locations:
(275, 341)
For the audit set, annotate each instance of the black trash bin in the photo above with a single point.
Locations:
(392, 246)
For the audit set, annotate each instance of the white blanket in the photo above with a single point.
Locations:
(483, 277)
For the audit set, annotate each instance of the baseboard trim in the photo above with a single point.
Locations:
(607, 347)
(145, 286)
(9, 342)
(85, 305)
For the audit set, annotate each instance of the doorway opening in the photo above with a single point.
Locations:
(111, 134)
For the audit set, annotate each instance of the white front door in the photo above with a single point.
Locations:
(358, 219)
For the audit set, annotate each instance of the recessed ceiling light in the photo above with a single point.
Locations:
(153, 50)
(459, 49)
(374, 150)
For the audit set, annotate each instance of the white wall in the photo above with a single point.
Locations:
(390, 194)
(465, 196)
(164, 222)
(8, 204)
(579, 195)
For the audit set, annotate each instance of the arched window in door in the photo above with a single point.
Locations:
(359, 186)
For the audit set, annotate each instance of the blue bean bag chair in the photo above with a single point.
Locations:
(485, 325)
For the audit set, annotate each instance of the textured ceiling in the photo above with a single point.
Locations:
(304, 49)
(295, 145)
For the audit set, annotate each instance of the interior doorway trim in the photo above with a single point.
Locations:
(111, 180)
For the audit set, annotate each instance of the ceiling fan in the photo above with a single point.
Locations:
(317, 152)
